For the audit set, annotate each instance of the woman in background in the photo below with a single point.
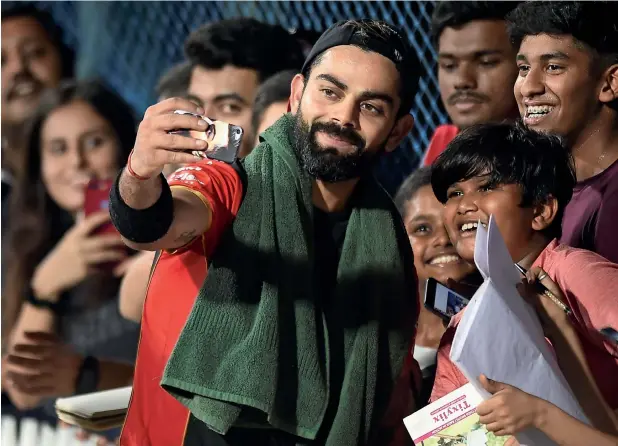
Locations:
(62, 332)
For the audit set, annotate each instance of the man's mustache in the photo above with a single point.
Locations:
(343, 133)
(19, 78)
(466, 95)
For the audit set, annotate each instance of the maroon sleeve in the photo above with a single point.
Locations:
(606, 230)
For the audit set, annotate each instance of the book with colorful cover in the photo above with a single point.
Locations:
(452, 421)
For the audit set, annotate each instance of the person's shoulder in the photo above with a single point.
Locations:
(441, 137)
(575, 258)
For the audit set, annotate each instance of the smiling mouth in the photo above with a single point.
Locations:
(535, 113)
(444, 259)
(470, 228)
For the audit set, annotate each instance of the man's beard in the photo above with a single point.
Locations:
(326, 163)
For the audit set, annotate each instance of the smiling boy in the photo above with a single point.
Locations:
(568, 84)
(525, 179)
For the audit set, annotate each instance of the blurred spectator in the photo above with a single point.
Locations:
(434, 257)
(476, 67)
(33, 58)
(526, 185)
(271, 101)
(568, 84)
(61, 327)
(175, 81)
(231, 58)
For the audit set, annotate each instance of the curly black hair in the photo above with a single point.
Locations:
(53, 30)
(454, 14)
(595, 24)
(510, 153)
(244, 43)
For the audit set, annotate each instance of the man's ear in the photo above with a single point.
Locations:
(609, 87)
(545, 214)
(296, 92)
(402, 127)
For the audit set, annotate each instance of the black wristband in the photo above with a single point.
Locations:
(88, 376)
(142, 225)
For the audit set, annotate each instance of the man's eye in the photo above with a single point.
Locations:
(328, 93)
(231, 109)
(523, 69)
(489, 62)
(371, 108)
(554, 68)
(447, 66)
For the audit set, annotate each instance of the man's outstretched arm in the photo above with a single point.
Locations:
(146, 212)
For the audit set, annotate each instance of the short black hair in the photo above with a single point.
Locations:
(390, 36)
(591, 23)
(454, 14)
(510, 153)
(175, 81)
(275, 89)
(244, 43)
(53, 30)
(421, 177)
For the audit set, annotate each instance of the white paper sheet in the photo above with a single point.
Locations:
(500, 336)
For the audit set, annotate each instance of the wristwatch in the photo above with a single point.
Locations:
(88, 376)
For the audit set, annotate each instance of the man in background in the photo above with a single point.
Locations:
(476, 67)
(230, 59)
(568, 84)
(271, 101)
(33, 58)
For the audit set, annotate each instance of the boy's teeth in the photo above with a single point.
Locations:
(444, 259)
(471, 226)
(538, 110)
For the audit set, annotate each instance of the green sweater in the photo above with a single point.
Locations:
(258, 342)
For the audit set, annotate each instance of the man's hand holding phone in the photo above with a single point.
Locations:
(155, 146)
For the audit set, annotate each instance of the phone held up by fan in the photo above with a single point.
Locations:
(443, 301)
(223, 139)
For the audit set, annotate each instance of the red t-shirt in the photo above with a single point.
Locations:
(443, 135)
(589, 283)
(154, 417)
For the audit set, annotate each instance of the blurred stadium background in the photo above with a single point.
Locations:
(130, 44)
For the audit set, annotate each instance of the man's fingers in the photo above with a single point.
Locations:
(493, 426)
(35, 385)
(172, 121)
(173, 142)
(172, 104)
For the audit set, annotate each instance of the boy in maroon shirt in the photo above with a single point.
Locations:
(568, 84)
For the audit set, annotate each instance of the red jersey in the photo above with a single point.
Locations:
(154, 417)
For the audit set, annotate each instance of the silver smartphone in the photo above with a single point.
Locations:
(223, 139)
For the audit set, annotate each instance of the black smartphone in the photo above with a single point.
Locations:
(610, 334)
(442, 300)
(223, 139)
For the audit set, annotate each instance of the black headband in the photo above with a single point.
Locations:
(396, 49)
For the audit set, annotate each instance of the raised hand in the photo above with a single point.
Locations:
(155, 146)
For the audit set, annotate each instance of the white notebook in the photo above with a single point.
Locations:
(95, 411)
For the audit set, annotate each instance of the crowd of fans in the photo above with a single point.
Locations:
(531, 89)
